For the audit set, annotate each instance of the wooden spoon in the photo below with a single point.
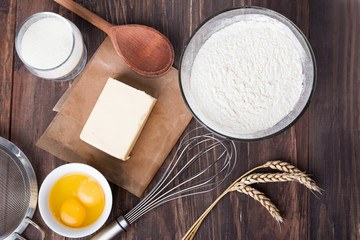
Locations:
(142, 48)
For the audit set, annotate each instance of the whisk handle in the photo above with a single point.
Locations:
(113, 229)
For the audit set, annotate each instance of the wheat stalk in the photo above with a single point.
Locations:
(260, 197)
(289, 173)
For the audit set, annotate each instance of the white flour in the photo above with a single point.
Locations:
(247, 77)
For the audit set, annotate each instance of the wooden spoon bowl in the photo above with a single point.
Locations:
(143, 49)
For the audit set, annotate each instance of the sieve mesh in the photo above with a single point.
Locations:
(14, 192)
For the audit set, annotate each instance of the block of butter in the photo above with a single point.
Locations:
(117, 119)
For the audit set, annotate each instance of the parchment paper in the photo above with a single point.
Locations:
(166, 123)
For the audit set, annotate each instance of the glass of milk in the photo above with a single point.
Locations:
(51, 46)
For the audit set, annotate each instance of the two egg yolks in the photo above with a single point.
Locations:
(76, 200)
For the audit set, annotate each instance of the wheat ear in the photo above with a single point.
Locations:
(260, 197)
(288, 168)
(279, 177)
(282, 166)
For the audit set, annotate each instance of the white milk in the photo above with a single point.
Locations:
(51, 47)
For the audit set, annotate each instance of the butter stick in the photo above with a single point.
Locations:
(117, 119)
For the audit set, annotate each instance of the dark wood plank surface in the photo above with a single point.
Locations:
(334, 123)
(7, 30)
(324, 142)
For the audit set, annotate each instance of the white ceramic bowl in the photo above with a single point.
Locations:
(49, 182)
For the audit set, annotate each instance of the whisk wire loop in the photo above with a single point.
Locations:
(170, 186)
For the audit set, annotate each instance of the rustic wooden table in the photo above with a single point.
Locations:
(324, 142)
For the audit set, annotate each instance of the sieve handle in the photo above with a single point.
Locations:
(113, 229)
(28, 220)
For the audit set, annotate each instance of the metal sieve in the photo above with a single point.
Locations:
(18, 192)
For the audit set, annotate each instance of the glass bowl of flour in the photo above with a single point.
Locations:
(247, 73)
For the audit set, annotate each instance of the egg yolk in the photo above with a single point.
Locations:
(90, 193)
(76, 200)
(72, 213)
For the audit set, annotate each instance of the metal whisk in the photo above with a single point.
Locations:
(182, 177)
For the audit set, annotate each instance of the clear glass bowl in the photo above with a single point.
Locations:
(223, 20)
(74, 62)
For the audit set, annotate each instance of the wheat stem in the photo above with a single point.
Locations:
(192, 231)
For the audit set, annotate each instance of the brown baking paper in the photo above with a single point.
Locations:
(166, 123)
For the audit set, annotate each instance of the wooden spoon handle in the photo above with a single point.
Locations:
(86, 14)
